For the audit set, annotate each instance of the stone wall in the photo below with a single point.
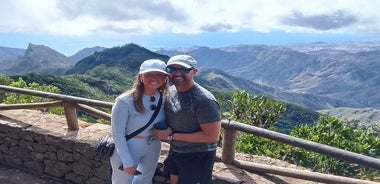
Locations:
(41, 142)
(45, 145)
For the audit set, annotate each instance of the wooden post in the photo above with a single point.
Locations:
(71, 116)
(228, 147)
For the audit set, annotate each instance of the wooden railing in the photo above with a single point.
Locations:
(71, 104)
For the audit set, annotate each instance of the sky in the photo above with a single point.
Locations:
(68, 26)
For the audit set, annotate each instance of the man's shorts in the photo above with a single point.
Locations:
(191, 168)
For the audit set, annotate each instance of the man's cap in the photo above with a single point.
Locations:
(183, 60)
(152, 65)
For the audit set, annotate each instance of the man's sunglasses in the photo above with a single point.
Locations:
(182, 70)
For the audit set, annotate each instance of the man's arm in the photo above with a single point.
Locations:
(209, 133)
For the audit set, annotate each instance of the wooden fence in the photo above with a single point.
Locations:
(71, 104)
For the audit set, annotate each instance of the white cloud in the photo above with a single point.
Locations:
(82, 17)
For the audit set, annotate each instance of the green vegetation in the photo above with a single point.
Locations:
(327, 130)
(253, 110)
(4, 80)
(295, 115)
(331, 131)
(75, 85)
(14, 98)
(129, 56)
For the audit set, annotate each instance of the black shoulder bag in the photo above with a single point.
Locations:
(105, 145)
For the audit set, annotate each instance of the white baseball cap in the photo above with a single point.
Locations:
(152, 65)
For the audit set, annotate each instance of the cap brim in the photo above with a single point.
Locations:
(181, 63)
(154, 70)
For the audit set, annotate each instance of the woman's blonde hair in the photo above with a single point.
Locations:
(137, 92)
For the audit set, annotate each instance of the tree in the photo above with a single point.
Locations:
(251, 109)
(254, 110)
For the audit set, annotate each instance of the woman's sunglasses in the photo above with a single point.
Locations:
(153, 106)
(182, 70)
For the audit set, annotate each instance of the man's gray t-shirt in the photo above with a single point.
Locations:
(185, 111)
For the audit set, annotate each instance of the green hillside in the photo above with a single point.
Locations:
(129, 56)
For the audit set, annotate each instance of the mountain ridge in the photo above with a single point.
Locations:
(351, 76)
(86, 52)
(116, 57)
(38, 59)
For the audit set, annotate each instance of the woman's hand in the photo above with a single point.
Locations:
(130, 170)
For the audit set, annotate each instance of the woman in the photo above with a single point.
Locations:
(135, 160)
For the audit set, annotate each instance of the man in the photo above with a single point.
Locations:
(193, 117)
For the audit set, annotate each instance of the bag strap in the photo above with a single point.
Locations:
(149, 122)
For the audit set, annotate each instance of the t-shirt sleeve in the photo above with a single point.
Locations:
(207, 111)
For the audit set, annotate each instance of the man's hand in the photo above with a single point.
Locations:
(162, 134)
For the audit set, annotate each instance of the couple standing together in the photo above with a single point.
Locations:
(192, 115)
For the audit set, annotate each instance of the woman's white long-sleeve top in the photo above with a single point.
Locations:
(125, 120)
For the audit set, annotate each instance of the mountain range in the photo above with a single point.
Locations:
(39, 59)
(325, 75)
(319, 75)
